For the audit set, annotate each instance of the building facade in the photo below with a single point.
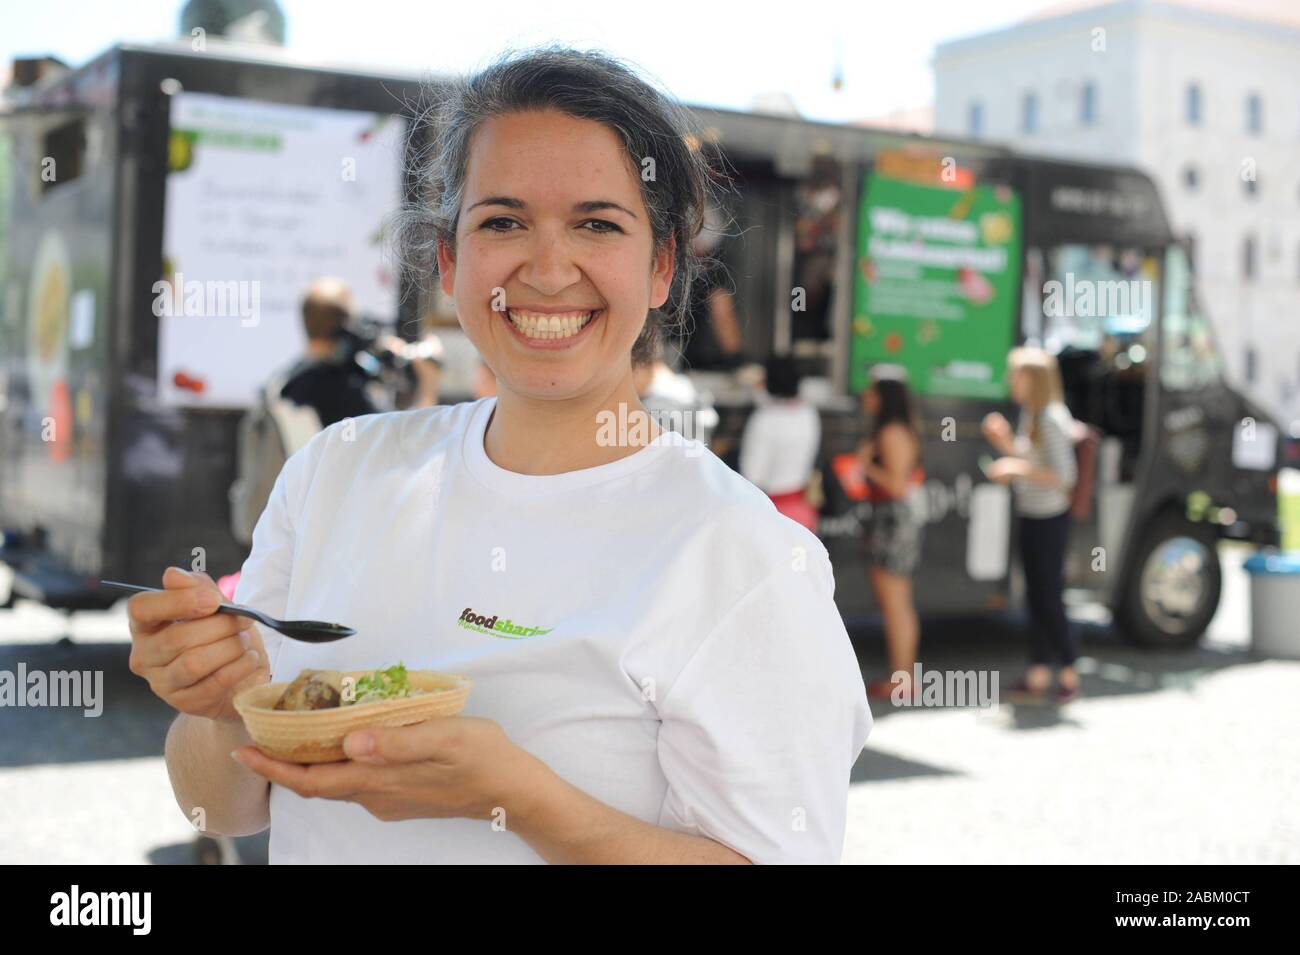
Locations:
(1202, 95)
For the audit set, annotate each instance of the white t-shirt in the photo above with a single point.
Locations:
(673, 648)
(778, 448)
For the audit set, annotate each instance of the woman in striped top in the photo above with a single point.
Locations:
(1039, 464)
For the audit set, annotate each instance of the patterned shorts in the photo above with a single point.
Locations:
(894, 536)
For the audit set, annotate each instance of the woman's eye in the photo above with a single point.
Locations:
(499, 224)
(605, 226)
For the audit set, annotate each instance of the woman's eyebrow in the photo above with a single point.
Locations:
(600, 205)
(592, 205)
(507, 201)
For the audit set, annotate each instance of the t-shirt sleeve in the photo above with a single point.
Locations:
(761, 728)
(264, 578)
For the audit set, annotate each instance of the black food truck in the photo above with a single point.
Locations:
(137, 185)
(940, 256)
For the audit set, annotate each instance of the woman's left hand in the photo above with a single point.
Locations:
(456, 766)
(1006, 470)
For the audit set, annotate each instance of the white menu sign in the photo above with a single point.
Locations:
(262, 199)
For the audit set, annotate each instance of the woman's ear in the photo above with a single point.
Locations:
(446, 268)
(661, 278)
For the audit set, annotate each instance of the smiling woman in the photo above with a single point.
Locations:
(659, 670)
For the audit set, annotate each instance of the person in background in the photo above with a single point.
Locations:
(326, 379)
(1039, 463)
(890, 460)
(341, 377)
(778, 449)
(713, 339)
(672, 398)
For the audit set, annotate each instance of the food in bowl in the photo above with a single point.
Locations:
(322, 706)
(312, 690)
(322, 689)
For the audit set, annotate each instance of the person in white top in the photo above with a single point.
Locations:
(1039, 464)
(659, 670)
(778, 448)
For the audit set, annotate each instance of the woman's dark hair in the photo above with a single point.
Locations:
(677, 180)
(896, 405)
(781, 374)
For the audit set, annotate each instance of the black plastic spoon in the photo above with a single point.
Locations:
(306, 631)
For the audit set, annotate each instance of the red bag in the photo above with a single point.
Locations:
(1087, 442)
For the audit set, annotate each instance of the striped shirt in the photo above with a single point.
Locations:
(1054, 451)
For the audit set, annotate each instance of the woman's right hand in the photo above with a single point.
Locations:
(194, 658)
(997, 430)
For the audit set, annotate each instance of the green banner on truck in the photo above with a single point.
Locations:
(936, 283)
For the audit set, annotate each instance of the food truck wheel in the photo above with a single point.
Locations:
(1174, 590)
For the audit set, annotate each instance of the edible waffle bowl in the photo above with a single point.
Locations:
(316, 736)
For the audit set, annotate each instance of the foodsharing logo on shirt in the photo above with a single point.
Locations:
(495, 627)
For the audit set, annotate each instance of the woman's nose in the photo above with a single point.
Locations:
(550, 268)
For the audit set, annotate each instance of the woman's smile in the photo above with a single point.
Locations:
(551, 330)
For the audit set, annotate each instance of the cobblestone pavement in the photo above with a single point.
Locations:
(1167, 757)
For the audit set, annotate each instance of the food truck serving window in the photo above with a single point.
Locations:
(936, 282)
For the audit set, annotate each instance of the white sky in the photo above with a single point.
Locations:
(703, 52)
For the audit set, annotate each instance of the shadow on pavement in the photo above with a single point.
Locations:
(1108, 666)
(875, 767)
(249, 850)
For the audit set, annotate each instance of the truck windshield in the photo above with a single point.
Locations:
(1190, 357)
(1095, 296)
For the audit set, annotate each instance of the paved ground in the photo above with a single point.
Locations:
(1186, 757)
(1174, 757)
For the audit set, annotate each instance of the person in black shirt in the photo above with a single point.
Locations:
(328, 379)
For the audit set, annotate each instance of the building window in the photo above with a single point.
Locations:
(1088, 104)
(1193, 104)
(1251, 362)
(1029, 113)
(1254, 113)
(1191, 177)
(975, 119)
(1251, 186)
(1248, 257)
(1189, 244)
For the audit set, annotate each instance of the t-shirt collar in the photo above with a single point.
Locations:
(534, 485)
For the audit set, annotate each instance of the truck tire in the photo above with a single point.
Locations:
(1173, 588)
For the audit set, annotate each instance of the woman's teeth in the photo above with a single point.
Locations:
(544, 327)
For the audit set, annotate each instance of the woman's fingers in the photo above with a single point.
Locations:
(318, 781)
(209, 697)
(197, 664)
(185, 597)
(152, 651)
